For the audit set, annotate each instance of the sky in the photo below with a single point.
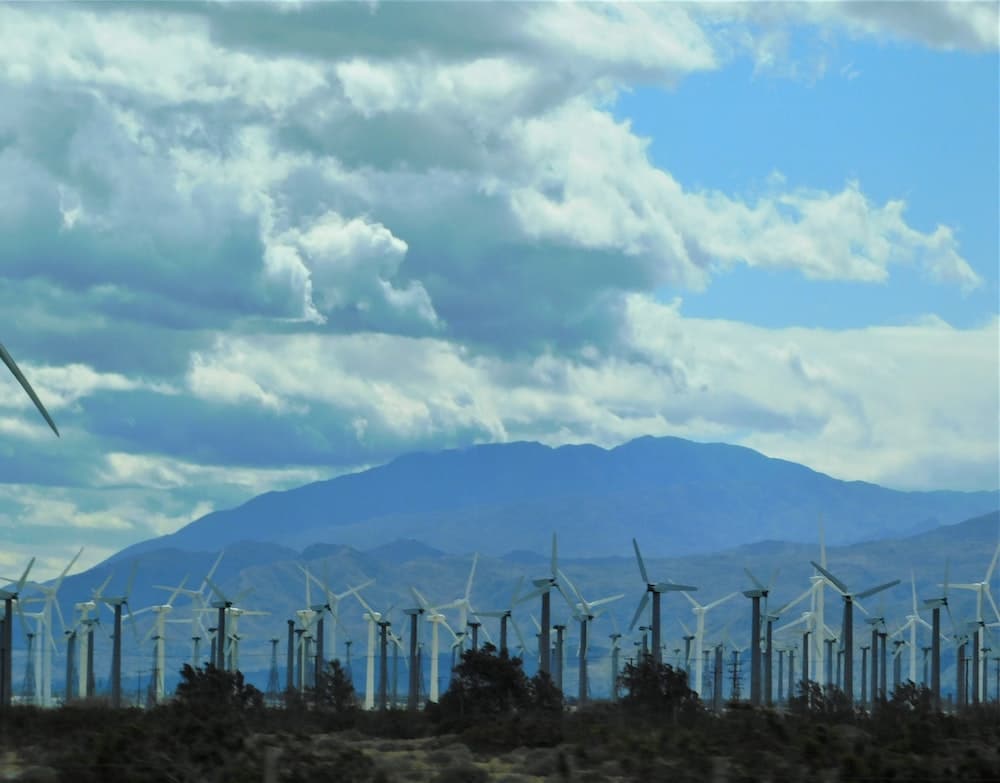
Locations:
(248, 246)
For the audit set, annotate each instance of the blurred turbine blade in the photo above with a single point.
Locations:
(638, 610)
(16, 371)
(878, 589)
(638, 559)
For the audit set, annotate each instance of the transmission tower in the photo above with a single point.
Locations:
(273, 693)
(736, 678)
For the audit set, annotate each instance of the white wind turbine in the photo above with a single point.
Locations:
(198, 607)
(160, 630)
(435, 618)
(47, 641)
(331, 605)
(847, 625)
(507, 616)
(982, 590)
(912, 621)
(86, 644)
(584, 612)
(656, 589)
(464, 603)
(373, 618)
(700, 611)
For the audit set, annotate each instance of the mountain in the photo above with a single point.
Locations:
(676, 496)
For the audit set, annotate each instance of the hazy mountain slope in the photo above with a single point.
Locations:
(679, 496)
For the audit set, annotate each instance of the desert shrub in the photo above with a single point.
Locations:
(213, 690)
(657, 688)
(484, 684)
(334, 690)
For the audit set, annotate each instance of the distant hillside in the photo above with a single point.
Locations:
(678, 496)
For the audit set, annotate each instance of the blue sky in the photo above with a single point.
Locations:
(248, 246)
(905, 121)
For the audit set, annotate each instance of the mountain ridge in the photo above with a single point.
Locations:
(681, 496)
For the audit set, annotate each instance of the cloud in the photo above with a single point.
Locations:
(246, 247)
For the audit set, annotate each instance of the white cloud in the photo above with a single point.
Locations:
(862, 404)
(373, 244)
(590, 183)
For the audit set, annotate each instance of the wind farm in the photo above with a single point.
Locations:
(499, 392)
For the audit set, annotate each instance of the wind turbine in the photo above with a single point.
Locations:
(912, 621)
(159, 629)
(847, 633)
(331, 605)
(9, 596)
(699, 635)
(759, 591)
(982, 590)
(373, 619)
(223, 604)
(86, 665)
(584, 613)
(49, 594)
(116, 603)
(657, 589)
(435, 618)
(12, 366)
(935, 604)
(543, 588)
(506, 616)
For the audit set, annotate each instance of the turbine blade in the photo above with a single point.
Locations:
(794, 601)
(16, 371)
(211, 571)
(131, 578)
(638, 610)
(24, 576)
(830, 577)
(520, 637)
(993, 564)
(642, 565)
(720, 601)
(517, 590)
(668, 587)
(878, 589)
(66, 570)
(573, 588)
(472, 573)
(913, 585)
(993, 603)
(603, 601)
(555, 562)
(754, 579)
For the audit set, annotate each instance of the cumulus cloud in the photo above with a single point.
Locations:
(248, 246)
